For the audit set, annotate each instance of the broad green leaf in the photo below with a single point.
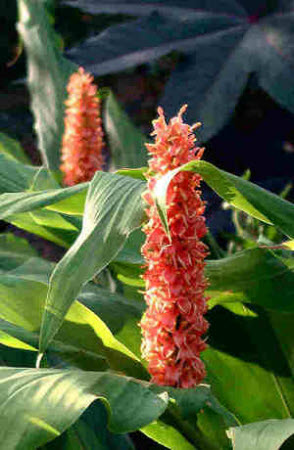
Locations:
(14, 336)
(245, 356)
(113, 209)
(214, 77)
(90, 432)
(125, 140)
(266, 435)
(252, 276)
(14, 251)
(131, 251)
(48, 73)
(12, 149)
(20, 202)
(58, 398)
(15, 176)
(167, 435)
(242, 194)
(23, 293)
(47, 224)
(120, 314)
(139, 41)
(233, 378)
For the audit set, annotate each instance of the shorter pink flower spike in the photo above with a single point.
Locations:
(173, 323)
(82, 142)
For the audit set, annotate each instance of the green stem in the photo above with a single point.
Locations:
(191, 432)
(215, 248)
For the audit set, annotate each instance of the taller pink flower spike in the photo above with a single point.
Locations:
(82, 141)
(173, 323)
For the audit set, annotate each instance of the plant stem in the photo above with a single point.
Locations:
(191, 432)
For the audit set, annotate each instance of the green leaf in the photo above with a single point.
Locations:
(12, 149)
(23, 293)
(48, 73)
(58, 397)
(167, 435)
(90, 432)
(245, 356)
(120, 314)
(242, 194)
(112, 211)
(253, 276)
(266, 435)
(134, 173)
(20, 202)
(152, 36)
(14, 251)
(14, 336)
(125, 140)
(48, 225)
(15, 176)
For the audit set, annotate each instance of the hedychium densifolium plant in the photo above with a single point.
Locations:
(121, 321)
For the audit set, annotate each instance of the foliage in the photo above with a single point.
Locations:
(223, 42)
(77, 320)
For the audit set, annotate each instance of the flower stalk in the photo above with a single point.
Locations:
(173, 323)
(82, 142)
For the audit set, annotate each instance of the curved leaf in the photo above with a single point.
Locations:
(240, 193)
(20, 202)
(267, 435)
(252, 276)
(15, 176)
(143, 40)
(23, 293)
(12, 149)
(48, 73)
(211, 80)
(113, 209)
(14, 251)
(58, 398)
(125, 140)
(273, 41)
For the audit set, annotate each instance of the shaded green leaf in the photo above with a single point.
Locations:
(14, 251)
(12, 149)
(252, 276)
(15, 176)
(125, 140)
(48, 73)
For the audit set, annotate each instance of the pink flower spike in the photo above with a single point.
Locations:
(173, 323)
(82, 142)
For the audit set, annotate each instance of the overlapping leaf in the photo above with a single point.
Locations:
(11, 148)
(48, 73)
(240, 193)
(125, 140)
(223, 42)
(48, 413)
(266, 435)
(113, 209)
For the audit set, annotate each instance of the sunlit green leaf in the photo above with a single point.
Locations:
(112, 211)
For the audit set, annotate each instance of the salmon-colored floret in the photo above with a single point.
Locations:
(173, 324)
(82, 142)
